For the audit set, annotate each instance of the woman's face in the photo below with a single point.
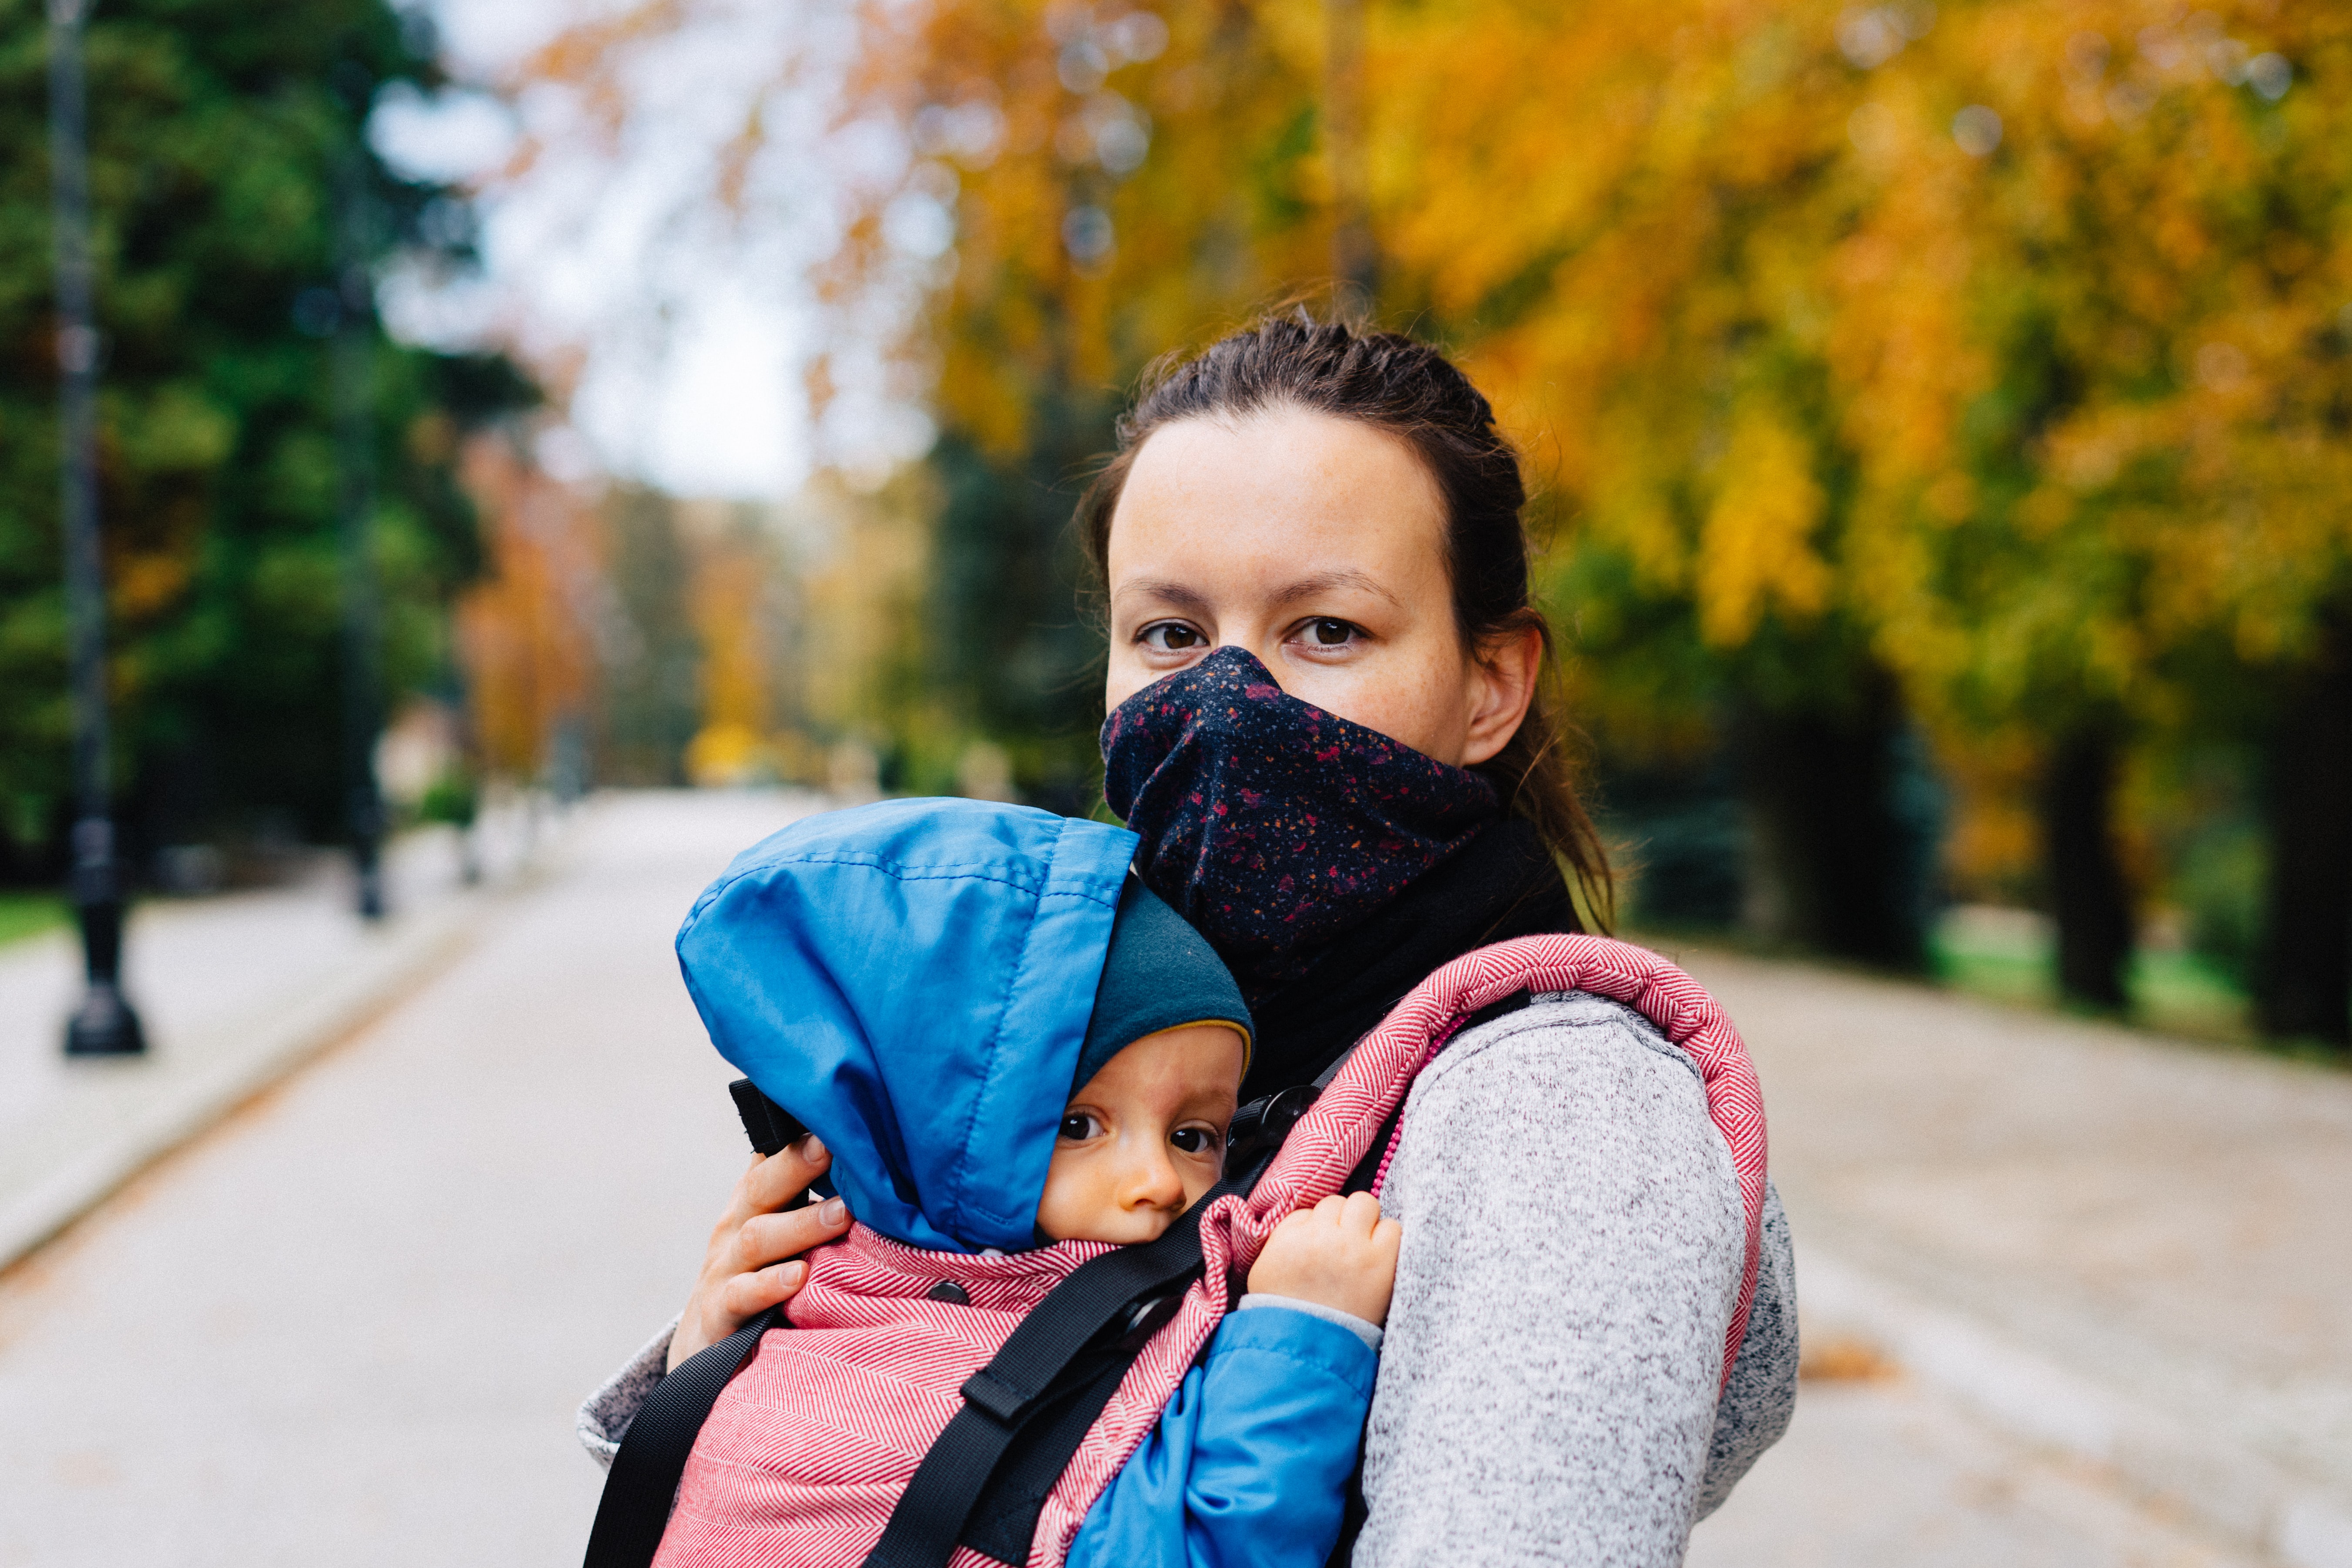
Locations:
(1317, 543)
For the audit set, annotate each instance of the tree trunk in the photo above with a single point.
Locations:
(1355, 258)
(1841, 859)
(2304, 982)
(2088, 894)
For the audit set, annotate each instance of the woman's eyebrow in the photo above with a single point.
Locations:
(1175, 596)
(1192, 600)
(1325, 581)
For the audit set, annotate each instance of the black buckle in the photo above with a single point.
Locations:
(1259, 1127)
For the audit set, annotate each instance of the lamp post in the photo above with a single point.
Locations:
(104, 1024)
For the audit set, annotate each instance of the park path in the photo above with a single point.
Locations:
(235, 991)
(348, 1327)
(2136, 1252)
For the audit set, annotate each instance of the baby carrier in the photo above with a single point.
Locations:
(1000, 1394)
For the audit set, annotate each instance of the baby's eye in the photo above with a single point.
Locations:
(1193, 1140)
(1077, 1127)
(1171, 636)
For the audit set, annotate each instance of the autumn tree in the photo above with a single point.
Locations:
(1895, 373)
(1998, 343)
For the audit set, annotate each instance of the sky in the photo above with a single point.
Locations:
(686, 329)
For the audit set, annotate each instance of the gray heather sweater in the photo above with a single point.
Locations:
(1572, 1253)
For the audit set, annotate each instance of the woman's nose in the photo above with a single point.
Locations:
(1264, 653)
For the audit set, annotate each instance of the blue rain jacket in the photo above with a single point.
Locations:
(912, 980)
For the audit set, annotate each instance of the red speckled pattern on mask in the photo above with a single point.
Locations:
(1270, 824)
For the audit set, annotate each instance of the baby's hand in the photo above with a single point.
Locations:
(1340, 1253)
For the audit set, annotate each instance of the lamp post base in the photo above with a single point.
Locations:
(104, 1026)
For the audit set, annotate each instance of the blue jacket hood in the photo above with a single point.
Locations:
(912, 980)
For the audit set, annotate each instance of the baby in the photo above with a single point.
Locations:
(1012, 1050)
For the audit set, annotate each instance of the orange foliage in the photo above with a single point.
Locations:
(524, 631)
(2010, 334)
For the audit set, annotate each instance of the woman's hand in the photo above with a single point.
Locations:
(1340, 1253)
(744, 1272)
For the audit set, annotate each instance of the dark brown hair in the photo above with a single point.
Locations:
(1415, 393)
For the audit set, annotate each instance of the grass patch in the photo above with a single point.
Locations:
(2010, 955)
(29, 914)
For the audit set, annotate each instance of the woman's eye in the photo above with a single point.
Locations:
(1328, 631)
(1172, 636)
(1077, 1128)
(1193, 1140)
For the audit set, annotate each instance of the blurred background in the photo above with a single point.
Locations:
(1939, 417)
(1935, 417)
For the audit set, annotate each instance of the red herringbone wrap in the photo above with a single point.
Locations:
(809, 1448)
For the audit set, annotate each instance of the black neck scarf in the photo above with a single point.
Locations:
(1504, 884)
(1331, 868)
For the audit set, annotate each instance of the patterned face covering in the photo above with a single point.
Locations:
(1272, 826)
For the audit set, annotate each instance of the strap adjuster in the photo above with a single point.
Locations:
(998, 1399)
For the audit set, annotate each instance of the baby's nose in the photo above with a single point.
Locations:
(1156, 1183)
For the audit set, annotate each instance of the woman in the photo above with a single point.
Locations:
(1326, 725)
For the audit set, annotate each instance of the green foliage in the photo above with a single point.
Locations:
(451, 799)
(2220, 884)
(1008, 649)
(215, 131)
(652, 695)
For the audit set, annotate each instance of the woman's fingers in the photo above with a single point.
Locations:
(747, 1267)
(748, 1295)
(767, 1238)
(780, 1178)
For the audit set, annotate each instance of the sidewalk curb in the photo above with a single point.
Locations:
(2244, 1496)
(240, 1062)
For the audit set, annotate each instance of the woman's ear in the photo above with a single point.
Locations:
(1503, 673)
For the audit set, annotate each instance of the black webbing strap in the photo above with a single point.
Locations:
(642, 1481)
(1004, 1521)
(1023, 1381)
(1004, 1518)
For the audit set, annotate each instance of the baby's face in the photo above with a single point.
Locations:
(1143, 1138)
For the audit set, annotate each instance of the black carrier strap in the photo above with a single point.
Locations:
(987, 1476)
(643, 1482)
(1002, 1519)
(1043, 1390)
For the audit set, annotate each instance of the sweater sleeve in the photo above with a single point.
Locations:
(1763, 1393)
(603, 1417)
(1573, 1248)
(1248, 1466)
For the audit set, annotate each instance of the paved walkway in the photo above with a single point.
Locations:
(232, 990)
(348, 1327)
(1895, 1475)
(2136, 1253)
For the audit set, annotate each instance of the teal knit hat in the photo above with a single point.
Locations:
(1159, 974)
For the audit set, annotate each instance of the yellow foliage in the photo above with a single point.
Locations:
(2010, 330)
(726, 599)
(727, 755)
(1755, 548)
